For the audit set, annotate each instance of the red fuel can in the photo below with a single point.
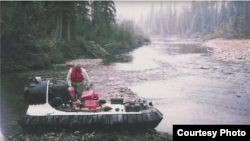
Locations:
(91, 104)
(87, 95)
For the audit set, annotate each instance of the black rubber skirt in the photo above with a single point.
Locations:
(149, 118)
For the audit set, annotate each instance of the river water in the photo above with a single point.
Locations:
(177, 75)
(187, 86)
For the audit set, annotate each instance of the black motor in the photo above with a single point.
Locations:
(59, 94)
(36, 93)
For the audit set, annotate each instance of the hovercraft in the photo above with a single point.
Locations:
(50, 105)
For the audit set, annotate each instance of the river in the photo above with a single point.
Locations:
(187, 86)
(178, 75)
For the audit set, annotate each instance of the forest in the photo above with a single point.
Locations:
(200, 19)
(36, 34)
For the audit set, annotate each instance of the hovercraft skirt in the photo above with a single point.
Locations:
(147, 119)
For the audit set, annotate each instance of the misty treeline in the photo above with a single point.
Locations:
(36, 34)
(205, 19)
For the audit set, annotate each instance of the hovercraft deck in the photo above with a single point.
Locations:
(45, 110)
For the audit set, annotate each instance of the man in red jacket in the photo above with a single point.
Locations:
(78, 78)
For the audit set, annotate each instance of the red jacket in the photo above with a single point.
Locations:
(76, 77)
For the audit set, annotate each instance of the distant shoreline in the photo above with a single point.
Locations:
(230, 51)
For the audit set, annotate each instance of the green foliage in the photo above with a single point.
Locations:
(126, 33)
(36, 34)
(125, 37)
(57, 56)
(80, 46)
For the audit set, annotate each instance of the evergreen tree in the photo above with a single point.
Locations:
(49, 32)
(103, 12)
(217, 19)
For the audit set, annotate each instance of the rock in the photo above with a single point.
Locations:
(216, 67)
(111, 78)
(61, 82)
(204, 67)
(247, 70)
(27, 139)
(51, 134)
(77, 132)
(48, 79)
(31, 78)
(227, 72)
(91, 42)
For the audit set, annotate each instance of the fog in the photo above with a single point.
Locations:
(189, 18)
(134, 10)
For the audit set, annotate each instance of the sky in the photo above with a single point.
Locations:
(132, 9)
(135, 9)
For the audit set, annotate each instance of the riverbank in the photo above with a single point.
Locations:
(85, 135)
(224, 88)
(230, 51)
(106, 83)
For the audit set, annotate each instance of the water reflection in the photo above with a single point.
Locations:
(192, 99)
(1, 136)
(176, 41)
(157, 55)
(143, 59)
(11, 102)
(184, 49)
(186, 91)
(158, 89)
